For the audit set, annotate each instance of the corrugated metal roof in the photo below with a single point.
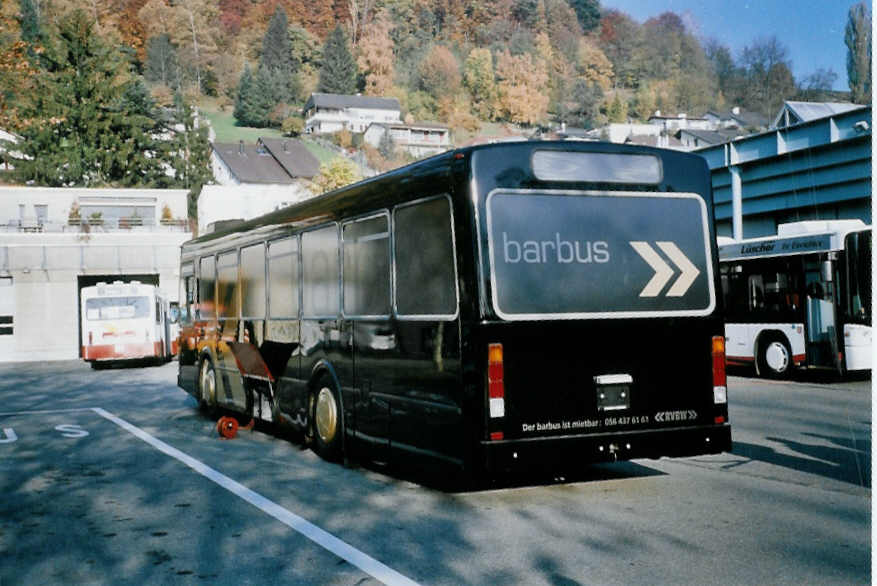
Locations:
(806, 111)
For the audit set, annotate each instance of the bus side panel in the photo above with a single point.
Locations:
(409, 373)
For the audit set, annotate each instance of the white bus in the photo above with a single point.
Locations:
(125, 321)
(801, 298)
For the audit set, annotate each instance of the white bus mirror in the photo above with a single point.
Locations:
(174, 314)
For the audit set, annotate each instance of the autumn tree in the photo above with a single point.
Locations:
(593, 65)
(190, 25)
(336, 173)
(768, 79)
(817, 86)
(857, 38)
(620, 40)
(440, 73)
(338, 71)
(375, 56)
(478, 78)
(520, 84)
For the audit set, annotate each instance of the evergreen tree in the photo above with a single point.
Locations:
(82, 128)
(276, 47)
(858, 41)
(588, 13)
(257, 96)
(338, 73)
(161, 62)
(31, 32)
(387, 146)
(191, 153)
(244, 97)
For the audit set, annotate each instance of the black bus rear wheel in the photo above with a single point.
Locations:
(207, 387)
(326, 423)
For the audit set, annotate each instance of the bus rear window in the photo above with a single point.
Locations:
(100, 308)
(568, 255)
(596, 167)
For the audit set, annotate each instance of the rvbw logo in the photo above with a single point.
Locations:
(557, 250)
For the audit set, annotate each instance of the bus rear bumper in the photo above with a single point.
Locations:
(122, 351)
(561, 451)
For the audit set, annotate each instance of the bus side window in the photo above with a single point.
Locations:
(319, 253)
(366, 250)
(253, 282)
(206, 309)
(756, 293)
(227, 280)
(190, 298)
(424, 253)
(283, 281)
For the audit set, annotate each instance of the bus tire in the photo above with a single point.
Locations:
(326, 420)
(207, 387)
(774, 357)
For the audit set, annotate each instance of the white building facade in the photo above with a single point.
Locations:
(327, 113)
(48, 253)
(419, 140)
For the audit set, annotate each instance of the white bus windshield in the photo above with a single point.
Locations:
(100, 308)
(573, 255)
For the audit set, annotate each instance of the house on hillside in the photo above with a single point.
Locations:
(691, 138)
(271, 161)
(737, 117)
(419, 140)
(255, 179)
(326, 113)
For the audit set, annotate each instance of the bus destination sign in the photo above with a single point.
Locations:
(776, 247)
(607, 254)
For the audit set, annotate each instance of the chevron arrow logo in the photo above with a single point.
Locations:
(663, 271)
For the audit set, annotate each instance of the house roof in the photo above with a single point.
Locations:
(272, 161)
(340, 101)
(293, 156)
(250, 163)
(711, 137)
(652, 140)
(743, 118)
(806, 111)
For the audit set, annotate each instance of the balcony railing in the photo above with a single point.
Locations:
(137, 224)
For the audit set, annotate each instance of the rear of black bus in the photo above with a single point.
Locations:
(600, 335)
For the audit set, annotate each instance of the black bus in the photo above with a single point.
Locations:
(494, 307)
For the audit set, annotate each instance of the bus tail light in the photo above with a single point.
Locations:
(720, 379)
(495, 383)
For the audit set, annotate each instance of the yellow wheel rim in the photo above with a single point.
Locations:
(326, 415)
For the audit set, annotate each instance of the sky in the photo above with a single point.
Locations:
(811, 30)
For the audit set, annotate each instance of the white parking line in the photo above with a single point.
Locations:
(322, 538)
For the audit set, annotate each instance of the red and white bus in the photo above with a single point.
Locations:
(125, 321)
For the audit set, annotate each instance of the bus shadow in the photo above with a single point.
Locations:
(452, 481)
(838, 461)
